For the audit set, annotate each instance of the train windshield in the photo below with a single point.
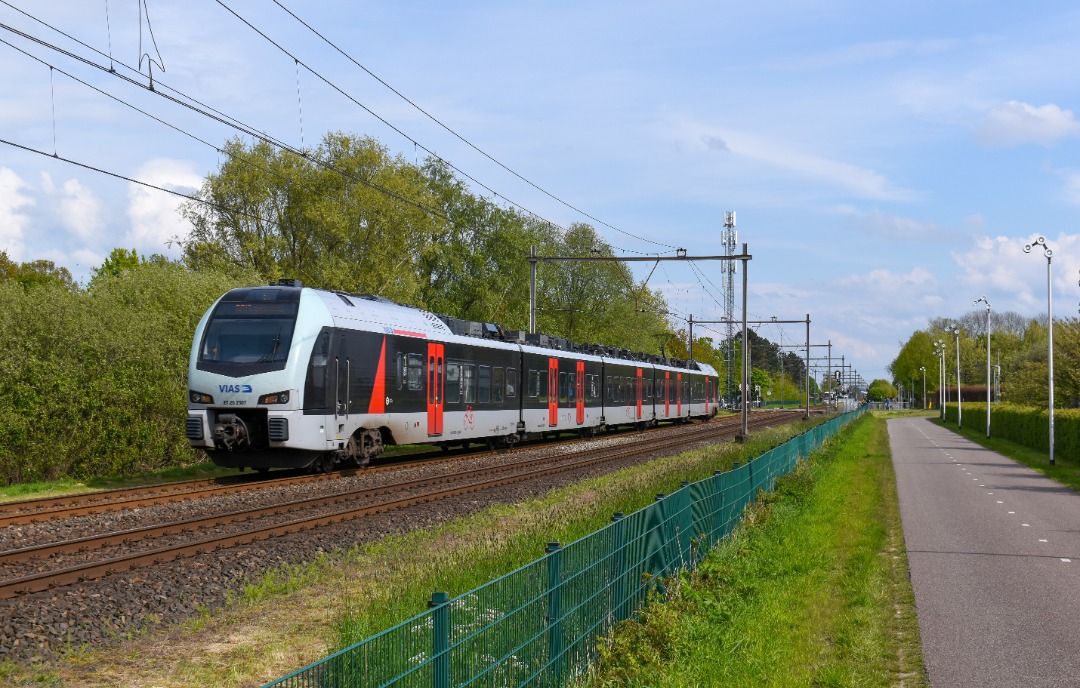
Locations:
(248, 337)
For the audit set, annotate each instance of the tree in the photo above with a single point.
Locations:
(122, 260)
(880, 390)
(345, 216)
(35, 273)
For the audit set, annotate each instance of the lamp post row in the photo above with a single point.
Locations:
(939, 349)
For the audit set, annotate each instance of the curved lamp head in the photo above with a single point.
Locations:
(1041, 241)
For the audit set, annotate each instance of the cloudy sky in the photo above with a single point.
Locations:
(887, 161)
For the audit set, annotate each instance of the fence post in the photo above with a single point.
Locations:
(753, 489)
(718, 527)
(440, 639)
(659, 565)
(620, 601)
(554, 557)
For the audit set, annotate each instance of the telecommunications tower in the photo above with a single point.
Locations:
(729, 238)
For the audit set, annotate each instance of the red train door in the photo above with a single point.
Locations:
(579, 392)
(553, 392)
(667, 393)
(639, 393)
(679, 393)
(436, 381)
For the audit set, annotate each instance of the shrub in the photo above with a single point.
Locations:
(95, 381)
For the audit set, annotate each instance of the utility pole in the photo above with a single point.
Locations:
(680, 256)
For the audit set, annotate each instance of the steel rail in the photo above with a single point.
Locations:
(92, 570)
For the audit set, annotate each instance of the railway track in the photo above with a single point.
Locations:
(46, 566)
(104, 501)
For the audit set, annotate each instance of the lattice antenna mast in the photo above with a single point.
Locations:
(729, 238)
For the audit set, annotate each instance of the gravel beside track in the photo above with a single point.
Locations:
(45, 624)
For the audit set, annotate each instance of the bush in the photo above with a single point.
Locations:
(1026, 425)
(95, 381)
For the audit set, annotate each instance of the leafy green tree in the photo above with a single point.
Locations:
(347, 216)
(35, 273)
(880, 390)
(121, 260)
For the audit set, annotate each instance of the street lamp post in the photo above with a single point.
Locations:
(1041, 241)
(939, 349)
(976, 302)
(959, 400)
(923, 369)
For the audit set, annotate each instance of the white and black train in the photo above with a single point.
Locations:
(286, 376)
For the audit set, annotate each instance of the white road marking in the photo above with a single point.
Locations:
(1042, 540)
(1067, 561)
(1000, 502)
(1012, 512)
(1026, 525)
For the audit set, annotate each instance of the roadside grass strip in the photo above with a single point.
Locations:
(1066, 469)
(297, 614)
(812, 589)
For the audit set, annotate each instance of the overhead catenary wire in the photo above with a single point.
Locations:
(201, 108)
(156, 187)
(223, 119)
(382, 119)
(197, 106)
(458, 136)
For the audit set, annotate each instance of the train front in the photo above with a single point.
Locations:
(246, 378)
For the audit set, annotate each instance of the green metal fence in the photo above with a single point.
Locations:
(538, 625)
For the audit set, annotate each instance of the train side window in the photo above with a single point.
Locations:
(542, 384)
(511, 382)
(401, 370)
(562, 386)
(484, 380)
(468, 382)
(534, 385)
(498, 384)
(453, 383)
(416, 372)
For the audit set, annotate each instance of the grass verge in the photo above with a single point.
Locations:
(1066, 469)
(811, 590)
(297, 614)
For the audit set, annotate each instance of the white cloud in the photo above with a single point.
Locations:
(13, 224)
(155, 220)
(999, 265)
(1014, 123)
(895, 227)
(860, 181)
(1072, 187)
(890, 284)
(80, 210)
(991, 264)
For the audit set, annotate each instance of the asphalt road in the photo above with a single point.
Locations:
(994, 554)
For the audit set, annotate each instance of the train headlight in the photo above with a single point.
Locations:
(275, 398)
(200, 398)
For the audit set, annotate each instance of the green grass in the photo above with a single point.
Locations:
(506, 537)
(811, 590)
(55, 488)
(1066, 469)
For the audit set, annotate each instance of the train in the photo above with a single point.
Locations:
(288, 376)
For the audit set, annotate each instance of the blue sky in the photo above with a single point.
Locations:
(887, 161)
